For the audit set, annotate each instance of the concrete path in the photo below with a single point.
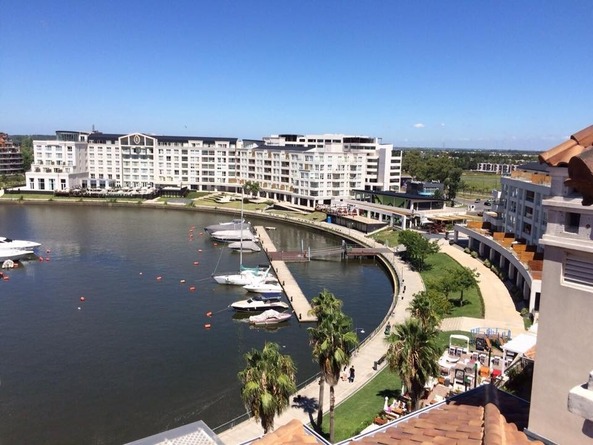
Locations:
(496, 298)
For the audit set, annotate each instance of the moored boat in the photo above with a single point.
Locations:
(246, 275)
(246, 246)
(17, 244)
(235, 224)
(14, 254)
(259, 303)
(228, 236)
(268, 285)
(271, 316)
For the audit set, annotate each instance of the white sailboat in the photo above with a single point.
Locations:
(246, 275)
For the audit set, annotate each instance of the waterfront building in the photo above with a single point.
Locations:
(299, 171)
(11, 158)
(58, 164)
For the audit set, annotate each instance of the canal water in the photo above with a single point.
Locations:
(135, 358)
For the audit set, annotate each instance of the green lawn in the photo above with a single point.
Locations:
(357, 412)
(473, 306)
(479, 183)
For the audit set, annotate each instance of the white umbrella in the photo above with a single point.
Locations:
(386, 404)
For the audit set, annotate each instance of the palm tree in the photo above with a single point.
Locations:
(267, 382)
(421, 308)
(333, 342)
(321, 305)
(413, 354)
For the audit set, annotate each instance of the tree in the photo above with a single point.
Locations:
(333, 342)
(323, 304)
(453, 182)
(421, 308)
(413, 354)
(417, 247)
(267, 382)
(464, 278)
(251, 187)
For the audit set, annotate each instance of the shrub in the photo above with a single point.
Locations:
(487, 263)
(474, 254)
(466, 250)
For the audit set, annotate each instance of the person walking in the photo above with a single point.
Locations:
(351, 379)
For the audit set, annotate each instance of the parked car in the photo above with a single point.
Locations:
(487, 203)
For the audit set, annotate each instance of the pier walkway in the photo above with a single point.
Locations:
(300, 304)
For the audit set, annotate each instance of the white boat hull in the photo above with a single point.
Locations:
(14, 254)
(7, 243)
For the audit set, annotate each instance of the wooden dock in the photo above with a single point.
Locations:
(297, 299)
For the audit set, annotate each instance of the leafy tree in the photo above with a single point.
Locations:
(251, 187)
(267, 382)
(27, 152)
(464, 278)
(322, 305)
(333, 342)
(417, 248)
(413, 354)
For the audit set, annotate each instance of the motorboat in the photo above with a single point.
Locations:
(246, 275)
(14, 254)
(270, 316)
(260, 303)
(229, 236)
(268, 285)
(17, 244)
(245, 246)
(235, 224)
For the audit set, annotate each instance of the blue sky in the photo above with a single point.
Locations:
(485, 74)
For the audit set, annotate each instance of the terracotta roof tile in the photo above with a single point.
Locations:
(292, 433)
(560, 155)
(484, 415)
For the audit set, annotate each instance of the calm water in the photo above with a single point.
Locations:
(134, 358)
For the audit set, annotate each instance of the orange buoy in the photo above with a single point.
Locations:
(201, 233)
(196, 263)
(159, 278)
(40, 258)
(48, 251)
(207, 325)
(6, 278)
(47, 259)
(209, 314)
(82, 299)
(192, 288)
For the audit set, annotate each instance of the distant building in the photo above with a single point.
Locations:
(499, 169)
(421, 188)
(11, 158)
(307, 170)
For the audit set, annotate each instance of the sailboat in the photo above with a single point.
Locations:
(246, 275)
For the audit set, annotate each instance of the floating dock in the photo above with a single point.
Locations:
(297, 299)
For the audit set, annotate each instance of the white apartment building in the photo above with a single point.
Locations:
(499, 169)
(304, 170)
(520, 206)
(58, 164)
(318, 169)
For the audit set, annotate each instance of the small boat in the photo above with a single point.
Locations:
(14, 254)
(17, 244)
(271, 316)
(246, 246)
(229, 236)
(259, 303)
(268, 285)
(235, 224)
(246, 275)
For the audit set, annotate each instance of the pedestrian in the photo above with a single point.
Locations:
(343, 376)
(351, 379)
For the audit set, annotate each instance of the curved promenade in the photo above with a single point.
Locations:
(499, 309)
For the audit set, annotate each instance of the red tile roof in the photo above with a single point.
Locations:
(483, 416)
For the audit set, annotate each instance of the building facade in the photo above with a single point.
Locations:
(293, 169)
(11, 158)
(562, 395)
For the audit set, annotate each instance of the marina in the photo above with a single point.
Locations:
(300, 304)
(137, 358)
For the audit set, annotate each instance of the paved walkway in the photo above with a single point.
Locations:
(496, 298)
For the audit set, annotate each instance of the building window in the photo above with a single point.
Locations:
(572, 222)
